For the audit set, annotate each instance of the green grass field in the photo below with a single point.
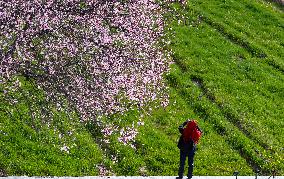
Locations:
(228, 74)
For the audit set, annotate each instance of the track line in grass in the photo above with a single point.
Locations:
(179, 62)
(223, 131)
(186, 62)
(235, 30)
(254, 51)
(234, 137)
(275, 65)
(226, 113)
(238, 83)
(210, 153)
(94, 130)
(232, 37)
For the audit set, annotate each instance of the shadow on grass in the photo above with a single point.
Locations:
(94, 129)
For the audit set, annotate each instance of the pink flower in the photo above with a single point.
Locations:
(100, 60)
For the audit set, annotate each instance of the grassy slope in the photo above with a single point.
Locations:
(233, 52)
(29, 146)
(228, 75)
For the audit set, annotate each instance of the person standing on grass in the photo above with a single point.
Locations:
(190, 134)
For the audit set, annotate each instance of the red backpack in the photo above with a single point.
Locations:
(191, 132)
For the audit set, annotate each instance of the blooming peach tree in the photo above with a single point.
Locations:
(99, 57)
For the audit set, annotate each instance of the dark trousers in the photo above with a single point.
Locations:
(186, 151)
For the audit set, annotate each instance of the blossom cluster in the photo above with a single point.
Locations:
(103, 171)
(126, 135)
(102, 57)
